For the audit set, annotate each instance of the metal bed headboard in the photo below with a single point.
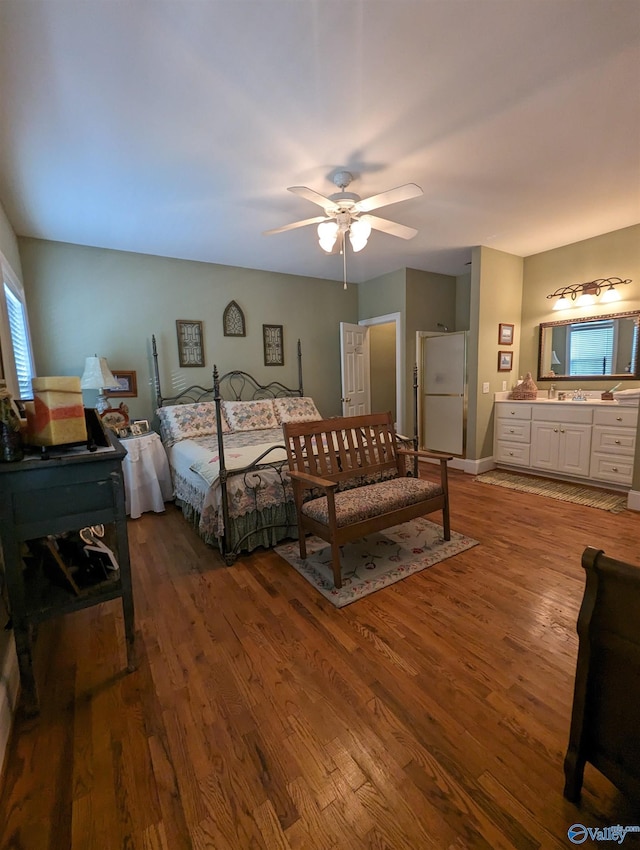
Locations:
(236, 385)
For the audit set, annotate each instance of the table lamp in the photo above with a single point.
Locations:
(98, 376)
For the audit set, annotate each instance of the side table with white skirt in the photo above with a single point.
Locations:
(147, 478)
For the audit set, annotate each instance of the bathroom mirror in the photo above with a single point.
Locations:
(590, 349)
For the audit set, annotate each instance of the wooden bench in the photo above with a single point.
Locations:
(357, 471)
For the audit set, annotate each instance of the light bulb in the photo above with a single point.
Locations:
(585, 300)
(327, 235)
(359, 233)
(561, 304)
(611, 294)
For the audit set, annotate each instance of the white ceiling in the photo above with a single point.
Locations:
(174, 128)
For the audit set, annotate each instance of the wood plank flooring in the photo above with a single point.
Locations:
(432, 714)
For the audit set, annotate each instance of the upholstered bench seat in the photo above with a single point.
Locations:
(361, 503)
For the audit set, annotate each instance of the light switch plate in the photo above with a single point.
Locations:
(485, 387)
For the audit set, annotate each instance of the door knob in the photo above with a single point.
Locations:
(346, 400)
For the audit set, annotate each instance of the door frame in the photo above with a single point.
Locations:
(385, 320)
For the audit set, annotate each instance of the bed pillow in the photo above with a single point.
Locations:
(296, 409)
(185, 421)
(250, 415)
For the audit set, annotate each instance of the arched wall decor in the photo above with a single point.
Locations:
(233, 320)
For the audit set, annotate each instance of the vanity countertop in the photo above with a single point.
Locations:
(544, 399)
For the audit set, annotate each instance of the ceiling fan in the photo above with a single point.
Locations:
(346, 212)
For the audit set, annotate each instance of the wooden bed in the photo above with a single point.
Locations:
(232, 483)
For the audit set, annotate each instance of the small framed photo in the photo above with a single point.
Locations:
(139, 427)
(123, 433)
(190, 342)
(273, 345)
(505, 334)
(127, 386)
(505, 361)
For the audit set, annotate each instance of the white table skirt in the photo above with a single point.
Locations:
(147, 478)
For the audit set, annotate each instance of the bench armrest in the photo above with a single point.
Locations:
(424, 453)
(308, 480)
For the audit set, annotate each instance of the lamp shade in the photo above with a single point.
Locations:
(97, 375)
(327, 235)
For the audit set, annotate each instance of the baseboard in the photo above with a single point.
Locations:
(472, 467)
(9, 689)
(633, 500)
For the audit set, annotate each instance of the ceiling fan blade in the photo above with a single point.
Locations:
(313, 196)
(400, 193)
(295, 224)
(391, 227)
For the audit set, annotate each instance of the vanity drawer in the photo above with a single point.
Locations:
(620, 441)
(606, 468)
(509, 410)
(565, 413)
(617, 417)
(516, 453)
(513, 430)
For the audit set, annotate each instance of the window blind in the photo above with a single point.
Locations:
(20, 342)
(591, 348)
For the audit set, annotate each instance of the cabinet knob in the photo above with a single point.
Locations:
(617, 442)
(618, 418)
(512, 412)
(562, 430)
(511, 454)
(614, 468)
(512, 430)
(555, 430)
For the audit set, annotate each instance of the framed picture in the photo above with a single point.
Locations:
(505, 361)
(139, 426)
(190, 342)
(505, 334)
(233, 322)
(273, 348)
(127, 385)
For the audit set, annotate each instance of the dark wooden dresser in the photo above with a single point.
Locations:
(68, 491)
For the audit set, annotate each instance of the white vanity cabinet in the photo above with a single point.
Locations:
(512, 433)
(613, 444)
(561, 439)
(581, 440)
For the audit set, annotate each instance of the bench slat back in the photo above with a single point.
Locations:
(343, 448)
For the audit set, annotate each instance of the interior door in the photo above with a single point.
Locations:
(354, 369)
(443, 392)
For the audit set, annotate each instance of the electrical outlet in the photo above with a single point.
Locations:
(504, 386)
(485, 387)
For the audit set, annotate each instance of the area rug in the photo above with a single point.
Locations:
(375, 561)
(563, 490)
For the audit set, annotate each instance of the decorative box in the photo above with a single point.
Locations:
(56, 415)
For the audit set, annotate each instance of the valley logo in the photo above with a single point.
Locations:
(578, 833)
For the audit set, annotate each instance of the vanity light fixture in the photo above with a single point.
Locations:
(582, 294)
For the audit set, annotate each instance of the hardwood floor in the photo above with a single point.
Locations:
(432, 714)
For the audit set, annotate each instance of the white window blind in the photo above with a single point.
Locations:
(591, 348)
(19, 330)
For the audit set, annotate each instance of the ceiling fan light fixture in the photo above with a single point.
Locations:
(359, 233)
(327, 235)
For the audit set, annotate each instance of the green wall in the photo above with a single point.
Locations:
(85, 301)
(614, 254)
(496, 296)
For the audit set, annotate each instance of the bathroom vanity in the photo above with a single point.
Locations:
(589, 440)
